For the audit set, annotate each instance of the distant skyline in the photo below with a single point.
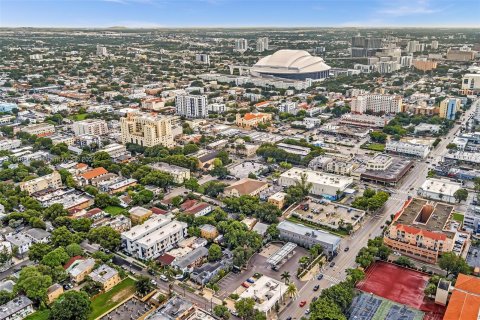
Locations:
(239, 13)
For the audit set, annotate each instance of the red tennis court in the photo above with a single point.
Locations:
(401, 285)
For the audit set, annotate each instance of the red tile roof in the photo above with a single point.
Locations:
(156, 210)
(165, 259)
(71, 261)
(94, 173)
(424, 233)
(465, 300)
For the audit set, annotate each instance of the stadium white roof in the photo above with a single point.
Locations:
(290, 61)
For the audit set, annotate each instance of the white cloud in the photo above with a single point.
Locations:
(407, 8)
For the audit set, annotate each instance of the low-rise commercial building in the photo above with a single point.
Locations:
(328, 185)
(363, 120)
(439, 190)
(386, 169)
(307, 237)
(267, 292)
(252, 120)
(407, 148)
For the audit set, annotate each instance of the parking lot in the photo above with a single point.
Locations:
(243, 169)
(473, 256)
(258, 264)
(329, 214)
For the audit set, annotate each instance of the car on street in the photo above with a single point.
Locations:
(307, 311)
(302, 304)
(320, 277)
(289, 318)
(314, 299)
(163, 278)
(346, 249)
(316, 288)
(332, 264)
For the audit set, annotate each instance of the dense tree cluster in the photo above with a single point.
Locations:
(371, 200)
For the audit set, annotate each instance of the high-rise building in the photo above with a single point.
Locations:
(412, 46)
(147, 130)
(449, 107)
(191, 106)
(262, 44)
(375, 103)
(434, 45)
(241, 45)
(202, 58)
(460, 54)
(406, 61)
(101, 50)
(365, 47)
(471, 81)
(90, 126)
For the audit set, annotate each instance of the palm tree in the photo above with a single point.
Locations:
(292, 290)
(304, 185)
(285, 277)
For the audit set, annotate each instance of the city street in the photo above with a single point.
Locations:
(372, 227)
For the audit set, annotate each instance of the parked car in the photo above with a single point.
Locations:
(320, 277)
(302, 304)
(245, 285)
(250, 280)
(307, 311)
(154, 282)
(314, 299)
(332, 264)
(346, 249)
(316, 288)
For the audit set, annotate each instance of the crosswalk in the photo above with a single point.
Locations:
(331, 279)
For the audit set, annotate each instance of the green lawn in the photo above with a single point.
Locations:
(458, 217)
(108, 300)
(373, 146)
(39, 315)
(78, 117)
(113, 210)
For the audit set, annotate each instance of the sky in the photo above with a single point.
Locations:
(239, 13)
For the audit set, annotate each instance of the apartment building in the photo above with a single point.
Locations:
(407, 148)
(154, 237)
(424, 65)
(330, 186)
(147, 130)
(106, 276)
(39, 130)
(49, 181)
(116, 151)
(449, 108)
(376, 103)
(423, 230)
(252, 120)
(179, 174)
(90, 126)
(471, 81)
(460, 54)
(191, 106)
(9, 144)
(16, 309)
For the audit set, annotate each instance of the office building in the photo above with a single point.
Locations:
(449, 108)
(202, 58)
(101, 50)
(291, 64)
(439, 190)
(363, 120)
(154, 237)
(407, 148)
(308, 237)
(386, 169)
(365, 46)
(376, 103)
(267, 293)
(262, 44)
(90, 126)
(49, 181)
(330, 186)
(147, 130)
(191, 106)
(424, 230)
(241, 45)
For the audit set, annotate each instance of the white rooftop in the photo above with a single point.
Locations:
(443, 186)
(266, 291)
